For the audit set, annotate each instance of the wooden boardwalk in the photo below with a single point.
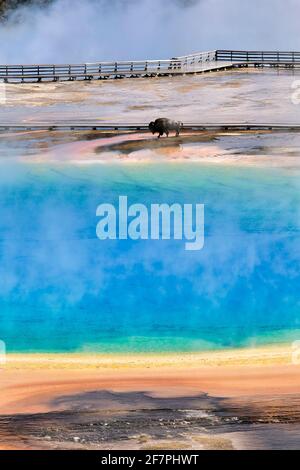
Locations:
(201, 62)
(196, 63)
(136, 127)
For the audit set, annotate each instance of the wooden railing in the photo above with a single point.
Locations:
(106, 69)
(258, 56)
(124, 127)
(86, 70)
(197, 59)
(198, 62)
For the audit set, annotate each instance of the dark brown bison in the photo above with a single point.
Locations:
(165, 126)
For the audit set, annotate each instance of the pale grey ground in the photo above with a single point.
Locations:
(239, 95)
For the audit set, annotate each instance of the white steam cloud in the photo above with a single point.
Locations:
(94, 30)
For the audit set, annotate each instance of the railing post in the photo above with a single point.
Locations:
(193, 63)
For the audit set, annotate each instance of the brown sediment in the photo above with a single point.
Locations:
(129, 146)
(225, 400)
(253, 148)
(29, 381)
(185, 98)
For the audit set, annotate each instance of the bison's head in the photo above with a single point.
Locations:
(152, 127)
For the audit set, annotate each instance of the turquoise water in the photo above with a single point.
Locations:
(62, 289)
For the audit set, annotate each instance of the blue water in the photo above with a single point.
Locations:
(62, 289)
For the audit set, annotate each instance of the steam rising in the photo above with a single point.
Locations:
(76, 31)
(61, 288)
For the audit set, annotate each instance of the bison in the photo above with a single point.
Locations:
(164, 126)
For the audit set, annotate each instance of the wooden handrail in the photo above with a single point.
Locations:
(192, 63)
(263, 56)
(115, 64)
(104, 126)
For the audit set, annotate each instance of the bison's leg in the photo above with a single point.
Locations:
(167, 133)
(177, 133)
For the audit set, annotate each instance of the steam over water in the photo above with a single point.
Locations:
(62, 289)
(76, 31)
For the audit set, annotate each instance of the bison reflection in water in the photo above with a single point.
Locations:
(165, 126)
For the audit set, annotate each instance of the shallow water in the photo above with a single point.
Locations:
(263, 95)
(139, 420)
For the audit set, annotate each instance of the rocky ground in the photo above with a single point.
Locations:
(106, 420)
